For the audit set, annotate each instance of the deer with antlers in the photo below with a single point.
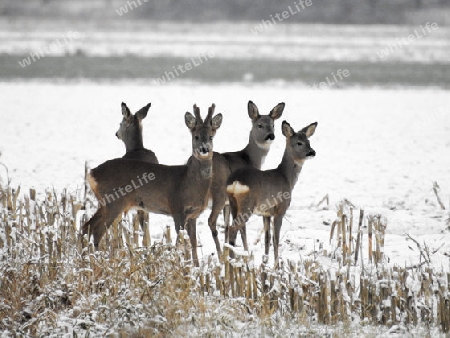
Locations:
(179, 191)
(261, 137)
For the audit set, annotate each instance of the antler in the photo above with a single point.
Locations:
(197, 114)
(210, 113)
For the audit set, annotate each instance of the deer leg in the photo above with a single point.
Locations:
(278, 220)
(102, 220)
(87, 227)
(266, 221)
(192, 232)
(92, 226)
(226, 215)
(233, 209)
(141, 218)
(239, 224)
(232, 233)
(212, 221)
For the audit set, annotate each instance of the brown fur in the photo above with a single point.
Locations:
(178, 191)
(269, 192)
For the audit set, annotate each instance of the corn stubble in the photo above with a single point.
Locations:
(53, 281)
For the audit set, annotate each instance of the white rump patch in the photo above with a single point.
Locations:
(238, 188)
(92, 182)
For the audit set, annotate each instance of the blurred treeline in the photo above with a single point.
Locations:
(321, 11)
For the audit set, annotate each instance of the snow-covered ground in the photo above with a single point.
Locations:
(381, 149)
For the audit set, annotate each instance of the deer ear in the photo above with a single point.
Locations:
(277, 111)
(125, 111)
(190, 120)
(216, 121)
(253, 112)
(309, 130)
(287, 129)
(142, 113)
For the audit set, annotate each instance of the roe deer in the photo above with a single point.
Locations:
(261, 136)
(130, 132)
(180, 191)
(268, 193)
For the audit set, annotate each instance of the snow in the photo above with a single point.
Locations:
(381, 149)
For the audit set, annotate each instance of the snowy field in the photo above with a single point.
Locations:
(382, 142)
(249, 40)
(380, 149)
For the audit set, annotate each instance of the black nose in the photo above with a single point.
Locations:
(204, 149)
(270, 137)
(312, 153)
(117, 134)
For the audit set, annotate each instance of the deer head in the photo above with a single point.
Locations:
(203, 132)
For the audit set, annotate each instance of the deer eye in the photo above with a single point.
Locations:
(196, 137)
(260, 126)
(210, 138)
(299, 144)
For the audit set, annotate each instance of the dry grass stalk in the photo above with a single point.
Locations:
(436, 190)
(136, 230)
(385, 300)
(45, 269)
(325, 200)
(167, 237)
(344, 236)
(369, 237)
(444, 304)
(350, 232)
(146, 240)
(265, 287)
(334, 301)
(333, 227)
(322, 303)
(294, 298)
(359, 235)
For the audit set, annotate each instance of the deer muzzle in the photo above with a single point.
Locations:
(311, 153)
(204, 150)
(270, 137)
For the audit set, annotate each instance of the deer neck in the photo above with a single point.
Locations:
(256, 153)
(200, 171)
(135, 143)
(290, 169)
